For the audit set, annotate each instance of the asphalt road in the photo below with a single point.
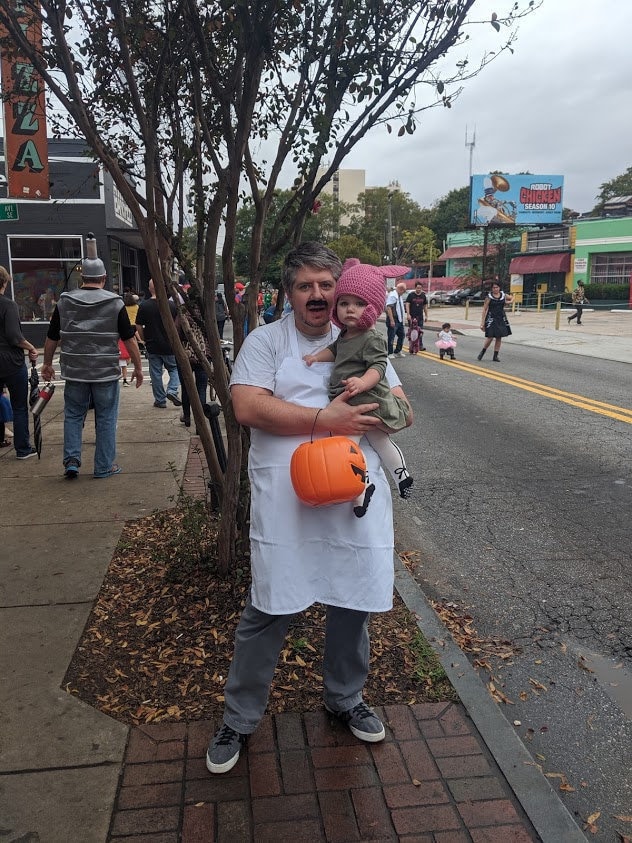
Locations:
(522, 518)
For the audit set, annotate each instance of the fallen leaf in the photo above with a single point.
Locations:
(625, 818)
(416, 782)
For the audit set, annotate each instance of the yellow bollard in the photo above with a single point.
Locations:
(558, 311)
(539, 302)
(467, 309)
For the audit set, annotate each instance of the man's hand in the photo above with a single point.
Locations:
(137, 375)
(344, 419)
(47, 371)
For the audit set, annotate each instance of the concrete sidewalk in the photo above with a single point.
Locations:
(70, 773)
(603, 334)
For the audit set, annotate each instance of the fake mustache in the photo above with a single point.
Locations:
(317, 305)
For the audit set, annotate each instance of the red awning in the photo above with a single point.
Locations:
(533, 264)
(467, 252)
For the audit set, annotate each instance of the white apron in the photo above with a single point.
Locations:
(301, 554)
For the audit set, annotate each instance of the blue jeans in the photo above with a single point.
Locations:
(105, 397)
(18, 385)
(394, 331)
(156, 362)
(201, 384)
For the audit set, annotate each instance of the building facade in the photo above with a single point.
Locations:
(603, 251)
(345, 187)
(42, 241)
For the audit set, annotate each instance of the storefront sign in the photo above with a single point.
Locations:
(121, 210)
(9, 211)
(581, 264)
(26, 148)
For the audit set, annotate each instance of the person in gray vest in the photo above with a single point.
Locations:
(88, 322)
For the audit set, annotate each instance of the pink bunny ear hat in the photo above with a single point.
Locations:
(368, 283)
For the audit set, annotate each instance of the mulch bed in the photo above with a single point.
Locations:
(158, 642)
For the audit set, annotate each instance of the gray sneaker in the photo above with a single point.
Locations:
(362, 721)
(223, 751)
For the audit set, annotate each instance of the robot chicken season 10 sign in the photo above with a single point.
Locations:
(504, 199)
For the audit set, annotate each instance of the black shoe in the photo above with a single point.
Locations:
(568, 319)
(160, 406)
(360, 511)
(404, 487)
(480, 356)
(71, 467)
(31, 453)
(441, 355)
(496, 358)
(174, 399)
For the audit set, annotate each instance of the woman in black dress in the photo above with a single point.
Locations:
(494, 320)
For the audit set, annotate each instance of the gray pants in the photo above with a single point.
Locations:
(258, 641)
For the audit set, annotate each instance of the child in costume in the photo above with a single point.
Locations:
(414, 337)
(360, 358)
(446, 342)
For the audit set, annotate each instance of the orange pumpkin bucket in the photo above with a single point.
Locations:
(327, 471)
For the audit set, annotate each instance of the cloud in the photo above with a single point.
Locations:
(558, 105)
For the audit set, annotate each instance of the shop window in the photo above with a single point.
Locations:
(612, 268)
(42, 268)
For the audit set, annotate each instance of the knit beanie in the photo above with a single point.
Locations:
(368, 283)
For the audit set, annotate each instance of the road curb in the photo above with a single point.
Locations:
(547, 813)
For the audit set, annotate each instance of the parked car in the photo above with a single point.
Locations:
(436, 297)
(477, 297)
(459, 296)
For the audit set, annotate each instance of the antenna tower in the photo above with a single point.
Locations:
(470, 144)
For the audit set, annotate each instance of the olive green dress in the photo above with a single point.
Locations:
(353, 356)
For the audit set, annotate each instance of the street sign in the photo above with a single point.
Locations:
(9, 211)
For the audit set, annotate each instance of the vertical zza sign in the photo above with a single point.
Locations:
(25, 144)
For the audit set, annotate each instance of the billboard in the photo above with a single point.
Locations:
(505, 199)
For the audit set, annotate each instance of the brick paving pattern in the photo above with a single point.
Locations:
(305, 778)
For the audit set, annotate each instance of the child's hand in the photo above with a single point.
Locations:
(309, 359)
(353, 386)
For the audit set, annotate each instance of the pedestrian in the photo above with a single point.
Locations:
(446, 342)
(151, 332)
(124, 358)
(395, 320)
(13, 371)
(494, 322)
(579, 299)
(192, 316)
(416, 305)
(359, 356)
(89, 322)
(221, 313)
(309, 554)
(413, 336)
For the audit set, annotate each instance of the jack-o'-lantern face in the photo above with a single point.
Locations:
(327, 471)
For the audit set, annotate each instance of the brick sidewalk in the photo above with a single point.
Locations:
(305, 778)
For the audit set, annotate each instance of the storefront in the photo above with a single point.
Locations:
(42, 242)
(603, 251)
(544, 265)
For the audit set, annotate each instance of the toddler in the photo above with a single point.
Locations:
(360, 358)
(446, 342)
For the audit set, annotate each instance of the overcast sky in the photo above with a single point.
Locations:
(560, 105)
